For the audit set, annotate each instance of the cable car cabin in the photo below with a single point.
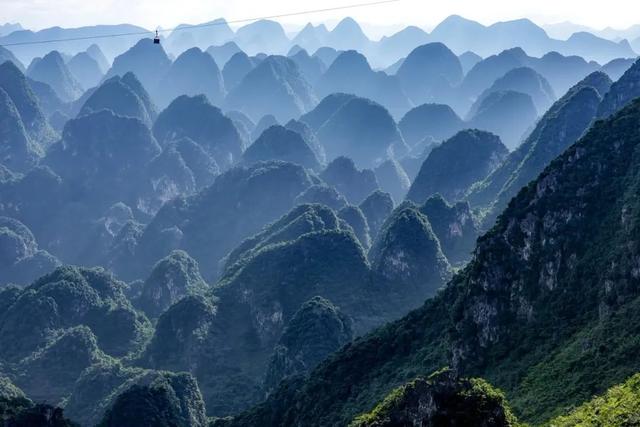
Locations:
(156, 39)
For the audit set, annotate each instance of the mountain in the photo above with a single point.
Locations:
(354, 184)
(561, 71)
(147, 61)
(327, 107)
(172, 278)
(269, 188)
(66, 298)
(354, 218)
(351, 73)
(470, 156)
(280, 143)
(455, 227)
(85, 69)
(393, 179)
(428, 72)
(263, 124)
(407, 253)
(376, 208)
(195, 118)
(347, 35)
(216, 32)
(101, 156)
(52, 70)
(362, 130)
(236, 68)
(309, 137)
(22, 260)
(327, 55)
(124, 96)
(560, 127)
(85, 37)
(524, 80)
(391, 48)
(508, 114)
(7, 55)
(8, 28)
(311, 37)
(316, 330)
(622, 92)
(221, 54)
(461, 34)
(508, 344)
(437, 121)
(17, 151)
(275, 86)
(616, 68)
(487, 71)
(322, 194)
(194, 72)
(311, 67)
(262, 36)
(468, 60)
(441, 398)
(95, 52)
(15, 84)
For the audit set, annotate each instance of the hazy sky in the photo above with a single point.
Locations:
(37, 14)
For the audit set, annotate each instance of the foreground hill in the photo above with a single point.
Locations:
(550, 260)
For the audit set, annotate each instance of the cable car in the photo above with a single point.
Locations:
(156, 39)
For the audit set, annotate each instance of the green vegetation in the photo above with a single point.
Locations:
(441, 399)
(618, 407)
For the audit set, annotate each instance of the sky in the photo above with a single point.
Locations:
(38, 14)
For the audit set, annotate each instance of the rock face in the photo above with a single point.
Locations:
(194, 72)
(407, 254)
(428, 72)
(52, 70)
(275, 86)
(354, 217)
(376, 208)
(354, 184)
(172, 278)
(195, 118)
(455, 227)
(441, 399)
(437, 121)
(124, 96)
(522, 280)
(85, 69)
(524, 80)
(15, 84)
(508, 114)
(169, 400)
(451, 168)
(315, 331)
(363, 131)
(20, 258)
(560, 127)
(280, 143)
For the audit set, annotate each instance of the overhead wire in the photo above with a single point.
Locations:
(208, 24)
